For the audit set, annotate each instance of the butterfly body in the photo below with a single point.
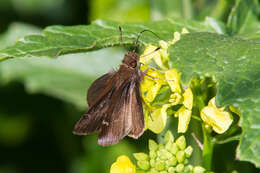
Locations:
(115, 104)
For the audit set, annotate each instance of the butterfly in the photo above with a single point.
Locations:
(115, 103)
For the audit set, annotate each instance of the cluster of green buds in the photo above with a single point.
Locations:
(169, 157)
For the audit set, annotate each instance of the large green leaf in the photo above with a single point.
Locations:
(235, 65)
(58, 40)
(66, 78)
(15, 31)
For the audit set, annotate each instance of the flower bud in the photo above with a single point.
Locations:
(152, 163)
(153, 170)
(168, 145)
(180, 168)
(163, 172)
(172, 161)
(174, 148)
(180, 156)
(159, 166)
(181, 142)
(168, 137)
(171, 170)
(143, 164)
(152, 154)
(141, 156)
(186, 161)
(190, 167)
(164, 154)
(198, 169)
(161, 146)
(153, 146)
(188, 151)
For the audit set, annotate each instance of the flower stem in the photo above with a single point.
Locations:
(208, 146)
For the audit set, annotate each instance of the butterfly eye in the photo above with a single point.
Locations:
(133, 64)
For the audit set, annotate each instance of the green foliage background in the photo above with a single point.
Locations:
(42, 98)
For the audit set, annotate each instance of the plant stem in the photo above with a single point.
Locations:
(221, 9)
(187, 9)
(208, 146)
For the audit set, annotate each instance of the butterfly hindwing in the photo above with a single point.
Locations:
(118, 122)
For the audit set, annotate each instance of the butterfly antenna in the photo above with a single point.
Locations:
(121, 33)
(139, 35)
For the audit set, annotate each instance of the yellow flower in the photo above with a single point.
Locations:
(150, 87)
(235, 110)
(219, 119)
(176, 37)
(184, 113)
(159, 56)
(188, 99)
(173, 78)
(175, 99)
(157, 120)
(123, 165)
(184, 116)
(148, 54)
(184, 31)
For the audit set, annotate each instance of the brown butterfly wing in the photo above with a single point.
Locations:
(98, 87)
(118, 121)
(92, 119)
(99, 97)
(127, 114)
(137, 113)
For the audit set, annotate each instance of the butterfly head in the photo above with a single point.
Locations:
(131, 59)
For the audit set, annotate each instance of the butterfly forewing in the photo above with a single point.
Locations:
(99, 96)
(97, 89)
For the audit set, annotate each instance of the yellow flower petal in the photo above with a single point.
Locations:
(152, 92)
(175, 99)
(173, 78)
(188, 99)
(164, 55)
(235, 110)
(160, 56)
(123, 165)
(159, 119)
(163, 44)
(176, 37)
(148, 54)
(219, 119)
(150, 86)
(184, 116)
(184, 31)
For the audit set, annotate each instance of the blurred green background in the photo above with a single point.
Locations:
(41, 99)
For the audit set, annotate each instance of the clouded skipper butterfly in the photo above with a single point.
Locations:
(115, 103)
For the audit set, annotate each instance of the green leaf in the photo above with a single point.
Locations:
(234, 64)
(58, 40)
(15, 31)
(66, 78)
